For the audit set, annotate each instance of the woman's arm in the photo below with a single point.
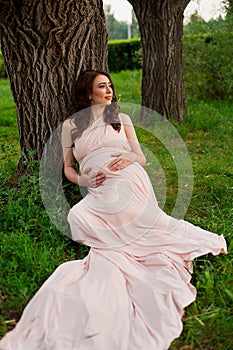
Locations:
(69, 167)
(68, 157)
(136, 154)
(87, 178)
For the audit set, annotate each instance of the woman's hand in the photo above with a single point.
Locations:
(91, 180)
(122, 160)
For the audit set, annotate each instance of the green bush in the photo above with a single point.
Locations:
(208, 65)
(123, 54)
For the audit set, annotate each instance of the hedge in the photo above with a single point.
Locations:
(123, 54)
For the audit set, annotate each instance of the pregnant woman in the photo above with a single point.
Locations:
(130, 291)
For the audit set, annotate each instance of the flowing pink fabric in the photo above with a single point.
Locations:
(129, 292)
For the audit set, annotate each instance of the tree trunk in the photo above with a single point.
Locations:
(161, 28)
(45, 44)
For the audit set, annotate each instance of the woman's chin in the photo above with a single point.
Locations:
(108, 102)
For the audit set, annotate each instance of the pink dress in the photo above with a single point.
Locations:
(129, 292)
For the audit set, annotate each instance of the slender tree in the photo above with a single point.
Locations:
(45, 44)
(161, 28)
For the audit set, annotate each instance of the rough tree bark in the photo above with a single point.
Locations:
(45, 44)
(161, 28)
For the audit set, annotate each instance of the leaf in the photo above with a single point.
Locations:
(199, 321)
(229, 293)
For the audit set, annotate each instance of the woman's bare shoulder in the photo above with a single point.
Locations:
(68, 127)
(125, 118)
(69, 124)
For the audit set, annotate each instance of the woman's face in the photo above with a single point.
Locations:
(102, 92)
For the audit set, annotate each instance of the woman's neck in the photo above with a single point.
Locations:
(97, 111)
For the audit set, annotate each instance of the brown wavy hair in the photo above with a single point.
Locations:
(80, 111)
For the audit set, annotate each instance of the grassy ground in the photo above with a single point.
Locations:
(31, 247)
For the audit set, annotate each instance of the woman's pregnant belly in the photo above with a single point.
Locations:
(132, 175)
(128, 190)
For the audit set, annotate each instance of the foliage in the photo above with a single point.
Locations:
(122, 54)
(33, 248)
(208, 52)
(229, 14)
(229, 7)
(197, 25)
(208, 65)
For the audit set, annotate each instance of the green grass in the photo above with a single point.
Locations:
(9, 131)
(128, 86)
(31, 247)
